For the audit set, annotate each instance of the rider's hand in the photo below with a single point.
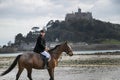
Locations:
(47, 49)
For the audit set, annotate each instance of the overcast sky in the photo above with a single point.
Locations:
(19, 16)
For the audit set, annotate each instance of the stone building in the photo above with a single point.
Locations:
(78, 15)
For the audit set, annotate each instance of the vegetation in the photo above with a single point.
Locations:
(111, 41)
(6, 61)
(102, 61)
(91, 31)
(31, 37)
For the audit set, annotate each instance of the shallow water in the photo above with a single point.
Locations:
(75, 52)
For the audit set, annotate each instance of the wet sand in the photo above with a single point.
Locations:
(71, 73)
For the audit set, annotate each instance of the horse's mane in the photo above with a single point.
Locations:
(54, 48)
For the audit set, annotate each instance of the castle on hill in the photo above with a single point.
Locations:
(78, 15)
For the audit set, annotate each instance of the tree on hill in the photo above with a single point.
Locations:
(19, 38)
(92, 31)
(29, 38)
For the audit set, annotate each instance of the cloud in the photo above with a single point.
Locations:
(106, 10)
(29, 8)
(116, 1)
(26, 8)
(21, 16)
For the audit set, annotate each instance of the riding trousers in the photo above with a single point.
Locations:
(45, 53)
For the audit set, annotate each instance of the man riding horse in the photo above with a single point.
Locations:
(41, 48)
(29, 61)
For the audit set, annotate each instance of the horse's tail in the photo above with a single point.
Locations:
(12, 65)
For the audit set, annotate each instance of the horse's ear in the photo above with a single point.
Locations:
(66, 42)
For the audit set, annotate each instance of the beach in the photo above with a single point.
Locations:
(71, 73)
(70, 68)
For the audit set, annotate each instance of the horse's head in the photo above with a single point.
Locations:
(67, 48)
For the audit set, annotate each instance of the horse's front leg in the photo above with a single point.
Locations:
(51, 73)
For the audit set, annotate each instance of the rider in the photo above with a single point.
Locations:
(40, 47)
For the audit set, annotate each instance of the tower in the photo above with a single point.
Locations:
(79, 10)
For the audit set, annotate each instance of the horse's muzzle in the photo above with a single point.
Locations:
(70, 54)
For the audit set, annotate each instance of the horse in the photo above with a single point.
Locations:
(34, 60)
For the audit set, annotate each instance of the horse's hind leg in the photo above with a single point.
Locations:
(29, 71)
(19, 73)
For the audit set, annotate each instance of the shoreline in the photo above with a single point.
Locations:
(75, 60)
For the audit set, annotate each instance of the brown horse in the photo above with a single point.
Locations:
(34, 60)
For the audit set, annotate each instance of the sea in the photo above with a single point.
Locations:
(74, 52)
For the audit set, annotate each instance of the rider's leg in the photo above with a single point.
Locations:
(47, 55)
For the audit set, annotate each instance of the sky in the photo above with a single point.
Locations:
(19, 16)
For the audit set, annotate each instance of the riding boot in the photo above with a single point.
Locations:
(46, 63)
